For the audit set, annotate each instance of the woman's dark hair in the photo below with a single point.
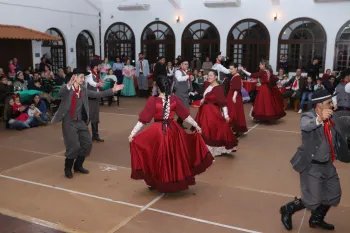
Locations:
(235, 65)
(214, 71)
(164, 86)
(34, 98)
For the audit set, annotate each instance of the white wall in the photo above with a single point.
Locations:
(70, 17)
(330, 15)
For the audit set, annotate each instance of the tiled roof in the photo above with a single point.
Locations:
(22, 33)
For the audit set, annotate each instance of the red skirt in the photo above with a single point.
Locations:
(216, 132)
(267, 105)
(168, 161)
(236, 113)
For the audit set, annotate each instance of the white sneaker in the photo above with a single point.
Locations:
(300, 111)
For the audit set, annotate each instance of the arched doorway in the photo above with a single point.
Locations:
(55, 50)
(158, 39)
(342, 48)
(85, 47)
(201, 39)
(248, 42)
(300, 41)
(119, 41)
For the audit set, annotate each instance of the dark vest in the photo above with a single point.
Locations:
(184, 86)
(91, 88)
(343, 98)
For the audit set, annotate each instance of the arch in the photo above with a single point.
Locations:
(55, 49)
(248, 42)
(342, 48)
(119, 40)
(201, 39)
(85, 49)
(300, 41)
(158, 39)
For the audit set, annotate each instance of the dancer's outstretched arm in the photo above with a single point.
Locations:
(192, 122)
(136, 129)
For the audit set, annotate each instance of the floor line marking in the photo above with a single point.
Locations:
(39, 222)
(70, 191)
(129, 204)
(302, 221)
(204, 221)
(256, 125)
(131, 217)
(152, 202)
(280, 130)
(119, 114)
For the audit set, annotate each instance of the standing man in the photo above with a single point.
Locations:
(342, 100)
(94, 84)
(160, 70)
(323, 141)
(182, 87)
(142, 72)
(74, 114)
(313, 69)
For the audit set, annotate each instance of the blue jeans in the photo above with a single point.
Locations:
(305, 97)
(13, 124)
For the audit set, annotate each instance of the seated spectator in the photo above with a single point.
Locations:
(27, 75)
(12, 70)
(318, 85)
(35, 114)
(40, 104)
(330, 84)
(2, 74)
(36, 77)
(60, 78)
(326, 75)
(307, 93)
(5, 88)
(296, 83)
(19, 84)
(18, 119)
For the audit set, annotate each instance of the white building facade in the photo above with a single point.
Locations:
(299, 29)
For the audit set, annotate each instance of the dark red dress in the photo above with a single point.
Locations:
(216, 132)
(267, 106)
(167, 160)
(236, 110)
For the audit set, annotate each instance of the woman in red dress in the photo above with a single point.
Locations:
(164, 155)
(267, 105)
(235, 102)
(216, 130)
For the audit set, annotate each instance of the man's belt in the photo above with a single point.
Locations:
(320, 163)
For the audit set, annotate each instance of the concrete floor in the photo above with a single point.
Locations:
(241, 193)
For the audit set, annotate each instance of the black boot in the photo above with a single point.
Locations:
(78, 165)
(68, 168)
(317, 218)
(288, 210)
(95, 135)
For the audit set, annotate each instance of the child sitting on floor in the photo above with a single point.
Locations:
(34, 113)
(19, 110)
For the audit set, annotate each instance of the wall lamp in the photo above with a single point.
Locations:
(275, 17)
(177, 19)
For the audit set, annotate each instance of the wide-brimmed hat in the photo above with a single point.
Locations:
(320, 96)
(80, 71)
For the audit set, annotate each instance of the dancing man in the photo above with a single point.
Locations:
(74, 114)
(94, 84)
(323, 141)
(182, 87)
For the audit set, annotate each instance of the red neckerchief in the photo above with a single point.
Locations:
(97, 77)
(327, 131)
(77, 93)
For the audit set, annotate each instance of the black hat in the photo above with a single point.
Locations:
(345, 73)
(80, 71)
(320, 96)
(94, 63)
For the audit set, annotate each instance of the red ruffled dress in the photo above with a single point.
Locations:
(216, 132)
(167, 160)
(267, 104)
(236, 110)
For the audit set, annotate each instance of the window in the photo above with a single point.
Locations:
(119, 41)
(55, 50)
(248, 43)
(201, 39)
(85, 49)
(300, 41)
(342, 48)
(158, 39)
